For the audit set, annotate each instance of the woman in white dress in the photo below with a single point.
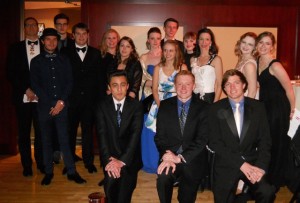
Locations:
(163, 79)
(245, 50)
(207, 67)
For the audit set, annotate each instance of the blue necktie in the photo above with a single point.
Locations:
(182, 118)
(119, 114)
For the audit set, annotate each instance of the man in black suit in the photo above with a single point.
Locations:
(61, 23)
(24, 98)
(171, 26)
(51, 80)
(181, 139)
(239, 135)
(85, 62)
(119, 126)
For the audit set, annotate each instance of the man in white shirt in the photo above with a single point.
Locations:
(24, 99)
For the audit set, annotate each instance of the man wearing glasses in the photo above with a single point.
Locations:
(61, 23)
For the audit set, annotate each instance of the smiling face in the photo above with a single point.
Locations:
(125, 49)
(118, 86)
(204, 41)
(234, 88)
(50, 43)
(169, 51)
(170, 29)
(81, 36)
(184, 85)
(247, 45)
(265, 46)
(111, 40)
(189, 44)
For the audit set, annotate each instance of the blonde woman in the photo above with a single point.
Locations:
(278, 96)
(245, 50)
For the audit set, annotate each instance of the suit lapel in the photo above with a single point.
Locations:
(112, 112)
(246, 121)
(228, 113)
(125, 114)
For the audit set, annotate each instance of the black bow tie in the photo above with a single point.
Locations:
(32, 42)
(82, 49)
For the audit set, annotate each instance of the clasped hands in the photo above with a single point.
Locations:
(253, 173)
(169, 160)
(58, 107)
(114, 167)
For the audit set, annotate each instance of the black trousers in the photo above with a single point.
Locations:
(26, 115)
(84, 115)
(262, 192)
(189, 179)
(119, 190)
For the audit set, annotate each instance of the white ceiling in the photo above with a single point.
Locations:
(52, 4)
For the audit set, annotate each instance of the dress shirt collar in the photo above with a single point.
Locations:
(119, 102)
(232, 103)
(186, 105)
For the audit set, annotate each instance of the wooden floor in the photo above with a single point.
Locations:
(14, 188)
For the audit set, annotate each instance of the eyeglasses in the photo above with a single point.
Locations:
(30, 25)
(61, 24)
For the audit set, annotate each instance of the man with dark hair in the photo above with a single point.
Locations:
(239, 135)
(88, 87)
(51, 80)
(24, 98)
(181, 139)
(119, 126)
(61, 23)
(171, 26)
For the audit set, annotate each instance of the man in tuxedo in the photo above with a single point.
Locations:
(239, 135)
(24, 98)
(61, 23)
(119, 127)
(171, 26)
(181, 139)
(85, 62)
(51, 80)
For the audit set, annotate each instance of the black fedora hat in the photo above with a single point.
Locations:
(50, 32)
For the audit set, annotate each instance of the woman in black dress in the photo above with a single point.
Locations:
(127, 59)
(278, 96)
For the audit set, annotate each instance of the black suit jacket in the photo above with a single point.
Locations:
(88, 80)
(121, 142)
(18, 70)
(180, 44)
(168, 135)
(231, 151)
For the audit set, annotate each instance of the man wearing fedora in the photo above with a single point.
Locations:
(51, 79)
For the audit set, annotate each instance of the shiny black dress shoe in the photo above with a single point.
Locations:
(77, 158)
(27, 172)
(47, 179)
(91, 168)
(76, 177)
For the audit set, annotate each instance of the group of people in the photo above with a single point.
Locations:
(60, 82)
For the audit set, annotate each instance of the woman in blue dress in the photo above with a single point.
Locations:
(148, 61)
(163, 84)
